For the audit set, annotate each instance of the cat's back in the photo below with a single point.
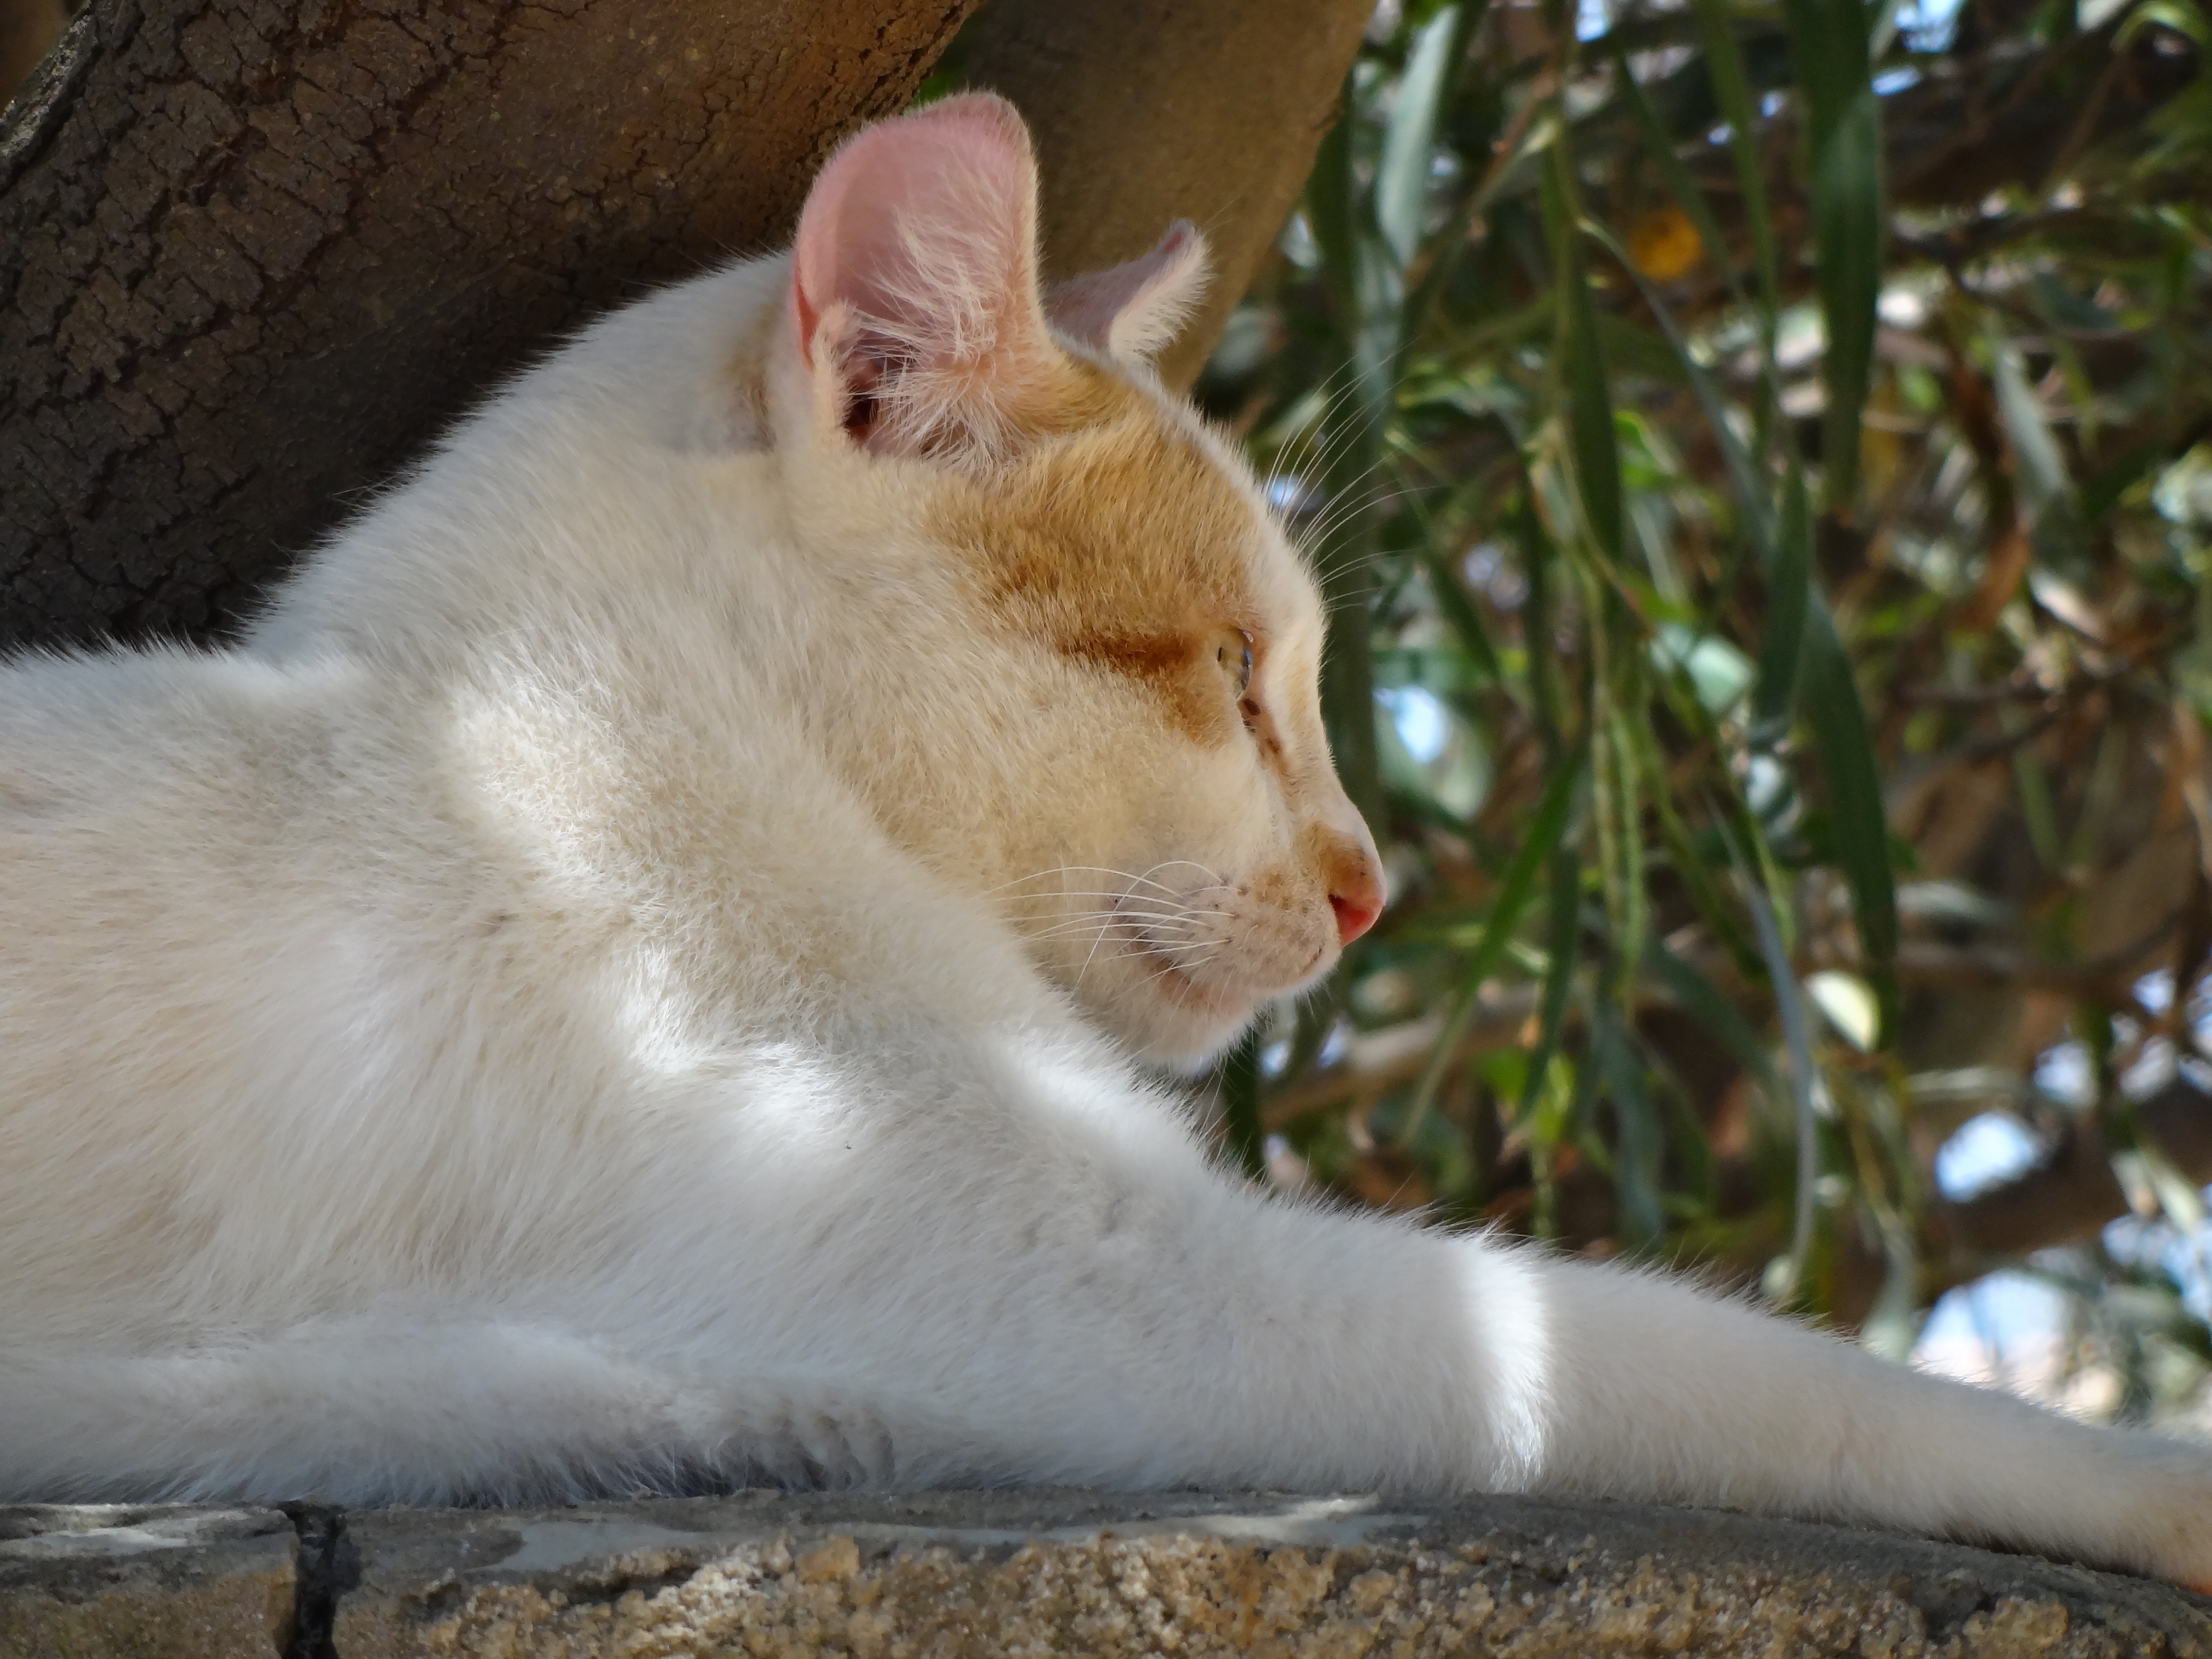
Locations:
(120, 771)
(165, 833)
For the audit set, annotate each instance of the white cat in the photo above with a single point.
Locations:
(631, 972)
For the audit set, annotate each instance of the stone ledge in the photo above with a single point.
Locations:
(1050, 1572)
(87, 1582)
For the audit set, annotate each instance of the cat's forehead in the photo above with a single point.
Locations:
(1132, 539)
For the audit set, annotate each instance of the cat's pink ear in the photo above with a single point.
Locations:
(1134, 310)
(914, 280)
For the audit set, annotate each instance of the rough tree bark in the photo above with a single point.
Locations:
(252, 256)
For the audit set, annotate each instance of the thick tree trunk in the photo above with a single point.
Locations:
(252, 256)
(27, 27)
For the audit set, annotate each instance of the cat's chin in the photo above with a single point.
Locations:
(1178, 1023)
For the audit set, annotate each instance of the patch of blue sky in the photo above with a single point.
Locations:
(2002, 1313)
(2155, 991)
(1929, 24)
(1983, 1150)
(1421, 720)
(2063, 1073)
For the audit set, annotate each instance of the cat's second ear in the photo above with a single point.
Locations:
(1135, 310)
(915, 284)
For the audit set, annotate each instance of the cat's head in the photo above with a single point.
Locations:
(1094, 699)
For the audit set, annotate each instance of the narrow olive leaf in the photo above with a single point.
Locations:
(2039, 471)
(1459, 613)
(1626, 738)
(1702, 999)
(1451, 238)
(2038, 467)
(1690, 870)
(1800, 1048)
(1641, 1143)
(1614, 845)
(2102, 492)
(2033, 785)
(1828, 45)
(1443, 530)
(1588, 392)
(1332, 199)
(1732, 93)
(1401, 176)
(1840, 735)
(1789, 592)
(1744, 476)
(1546, 827)
(1563, 928)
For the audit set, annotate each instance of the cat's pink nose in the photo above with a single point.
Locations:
(1357, 900)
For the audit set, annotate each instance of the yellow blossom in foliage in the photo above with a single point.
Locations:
(1664, 244)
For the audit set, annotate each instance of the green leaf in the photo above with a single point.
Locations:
(1800, 1047)
(1744, 474)
(1788, 592)
(1546, 828)
(1732, 92)
(1332, 201)
(1636, 1172)
(1828, 41)
(1703, 999)
(1589, 393)
(2178, 15)
(1565, 925)
(1402, 177)
(1458, 610)
(1832, 708)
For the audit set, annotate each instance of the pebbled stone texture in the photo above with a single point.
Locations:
(90, 1581)
(950, 1574)
(253, 252)
(1077, 1574)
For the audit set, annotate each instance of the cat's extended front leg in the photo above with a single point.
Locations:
(1111, 1311)
(1654, 1390)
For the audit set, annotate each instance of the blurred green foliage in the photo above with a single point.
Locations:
(1759, 459)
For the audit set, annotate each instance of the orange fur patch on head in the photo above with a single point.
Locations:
(1119, 541)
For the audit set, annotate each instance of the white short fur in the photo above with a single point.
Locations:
(558, 1006)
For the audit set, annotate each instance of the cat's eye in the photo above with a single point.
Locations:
(1232, 650)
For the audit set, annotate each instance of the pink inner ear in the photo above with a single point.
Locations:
(925, 227)
(1134, 309)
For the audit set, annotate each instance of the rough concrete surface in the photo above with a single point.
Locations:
(85, 1582)
(765, 1575)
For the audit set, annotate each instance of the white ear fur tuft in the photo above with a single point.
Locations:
(1135, 310)
(914, 278)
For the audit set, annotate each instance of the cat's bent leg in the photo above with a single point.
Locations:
(426, 1408)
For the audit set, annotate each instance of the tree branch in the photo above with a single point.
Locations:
(2070, 1196)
